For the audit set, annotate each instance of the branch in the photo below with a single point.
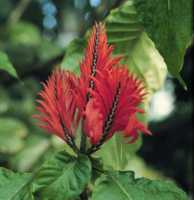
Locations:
(18, 12)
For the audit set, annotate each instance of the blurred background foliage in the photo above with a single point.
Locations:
(36, 36)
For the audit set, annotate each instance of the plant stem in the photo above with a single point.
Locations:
(84, 195)
(83, 139)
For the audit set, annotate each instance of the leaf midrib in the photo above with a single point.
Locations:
(129, 197)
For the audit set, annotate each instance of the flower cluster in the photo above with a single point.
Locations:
(104, 98)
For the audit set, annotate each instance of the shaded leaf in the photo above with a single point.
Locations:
(63, 177)
(15, 186)
(124, 186)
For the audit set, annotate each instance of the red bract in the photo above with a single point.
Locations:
(57, 106)
(105, 94)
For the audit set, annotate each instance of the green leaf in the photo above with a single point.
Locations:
(34, 148)
(73, 55)
(12, 133)
(6, 65)
(127, 34)
(116, 153)
(63, 177)
(169, 24)
(47, 50)
(124, 186)
(15, 186)
(24, 33)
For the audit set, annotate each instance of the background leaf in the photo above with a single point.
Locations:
(73, 55)
(63, 177)
(34, 148)
(6, 65)
(123, 186)
(14, 186)
(12, 133)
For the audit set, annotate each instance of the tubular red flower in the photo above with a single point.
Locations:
(113, 105)
(57, 107)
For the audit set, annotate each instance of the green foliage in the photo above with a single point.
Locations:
(123, 186)
(15, 186)
(169, 24)
(34, 148)
(24, 33)
(63, 176)
(116, 153)
(12, 133)
(73, 55)
(126, 33)
(6, 65)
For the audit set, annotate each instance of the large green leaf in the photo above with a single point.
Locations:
(169, 24)
(124, 186)
(14, 186)
(63, 177)
(127, 34)
(6, 65)
(12, 133)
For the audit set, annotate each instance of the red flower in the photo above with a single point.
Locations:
(105, 94)
(113, 105)
(57, 106)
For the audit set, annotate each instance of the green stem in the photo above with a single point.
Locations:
(83, 140)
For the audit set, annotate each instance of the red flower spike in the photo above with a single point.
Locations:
(57, 106)
(113, 105)
(106, 96)
(98, 56)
